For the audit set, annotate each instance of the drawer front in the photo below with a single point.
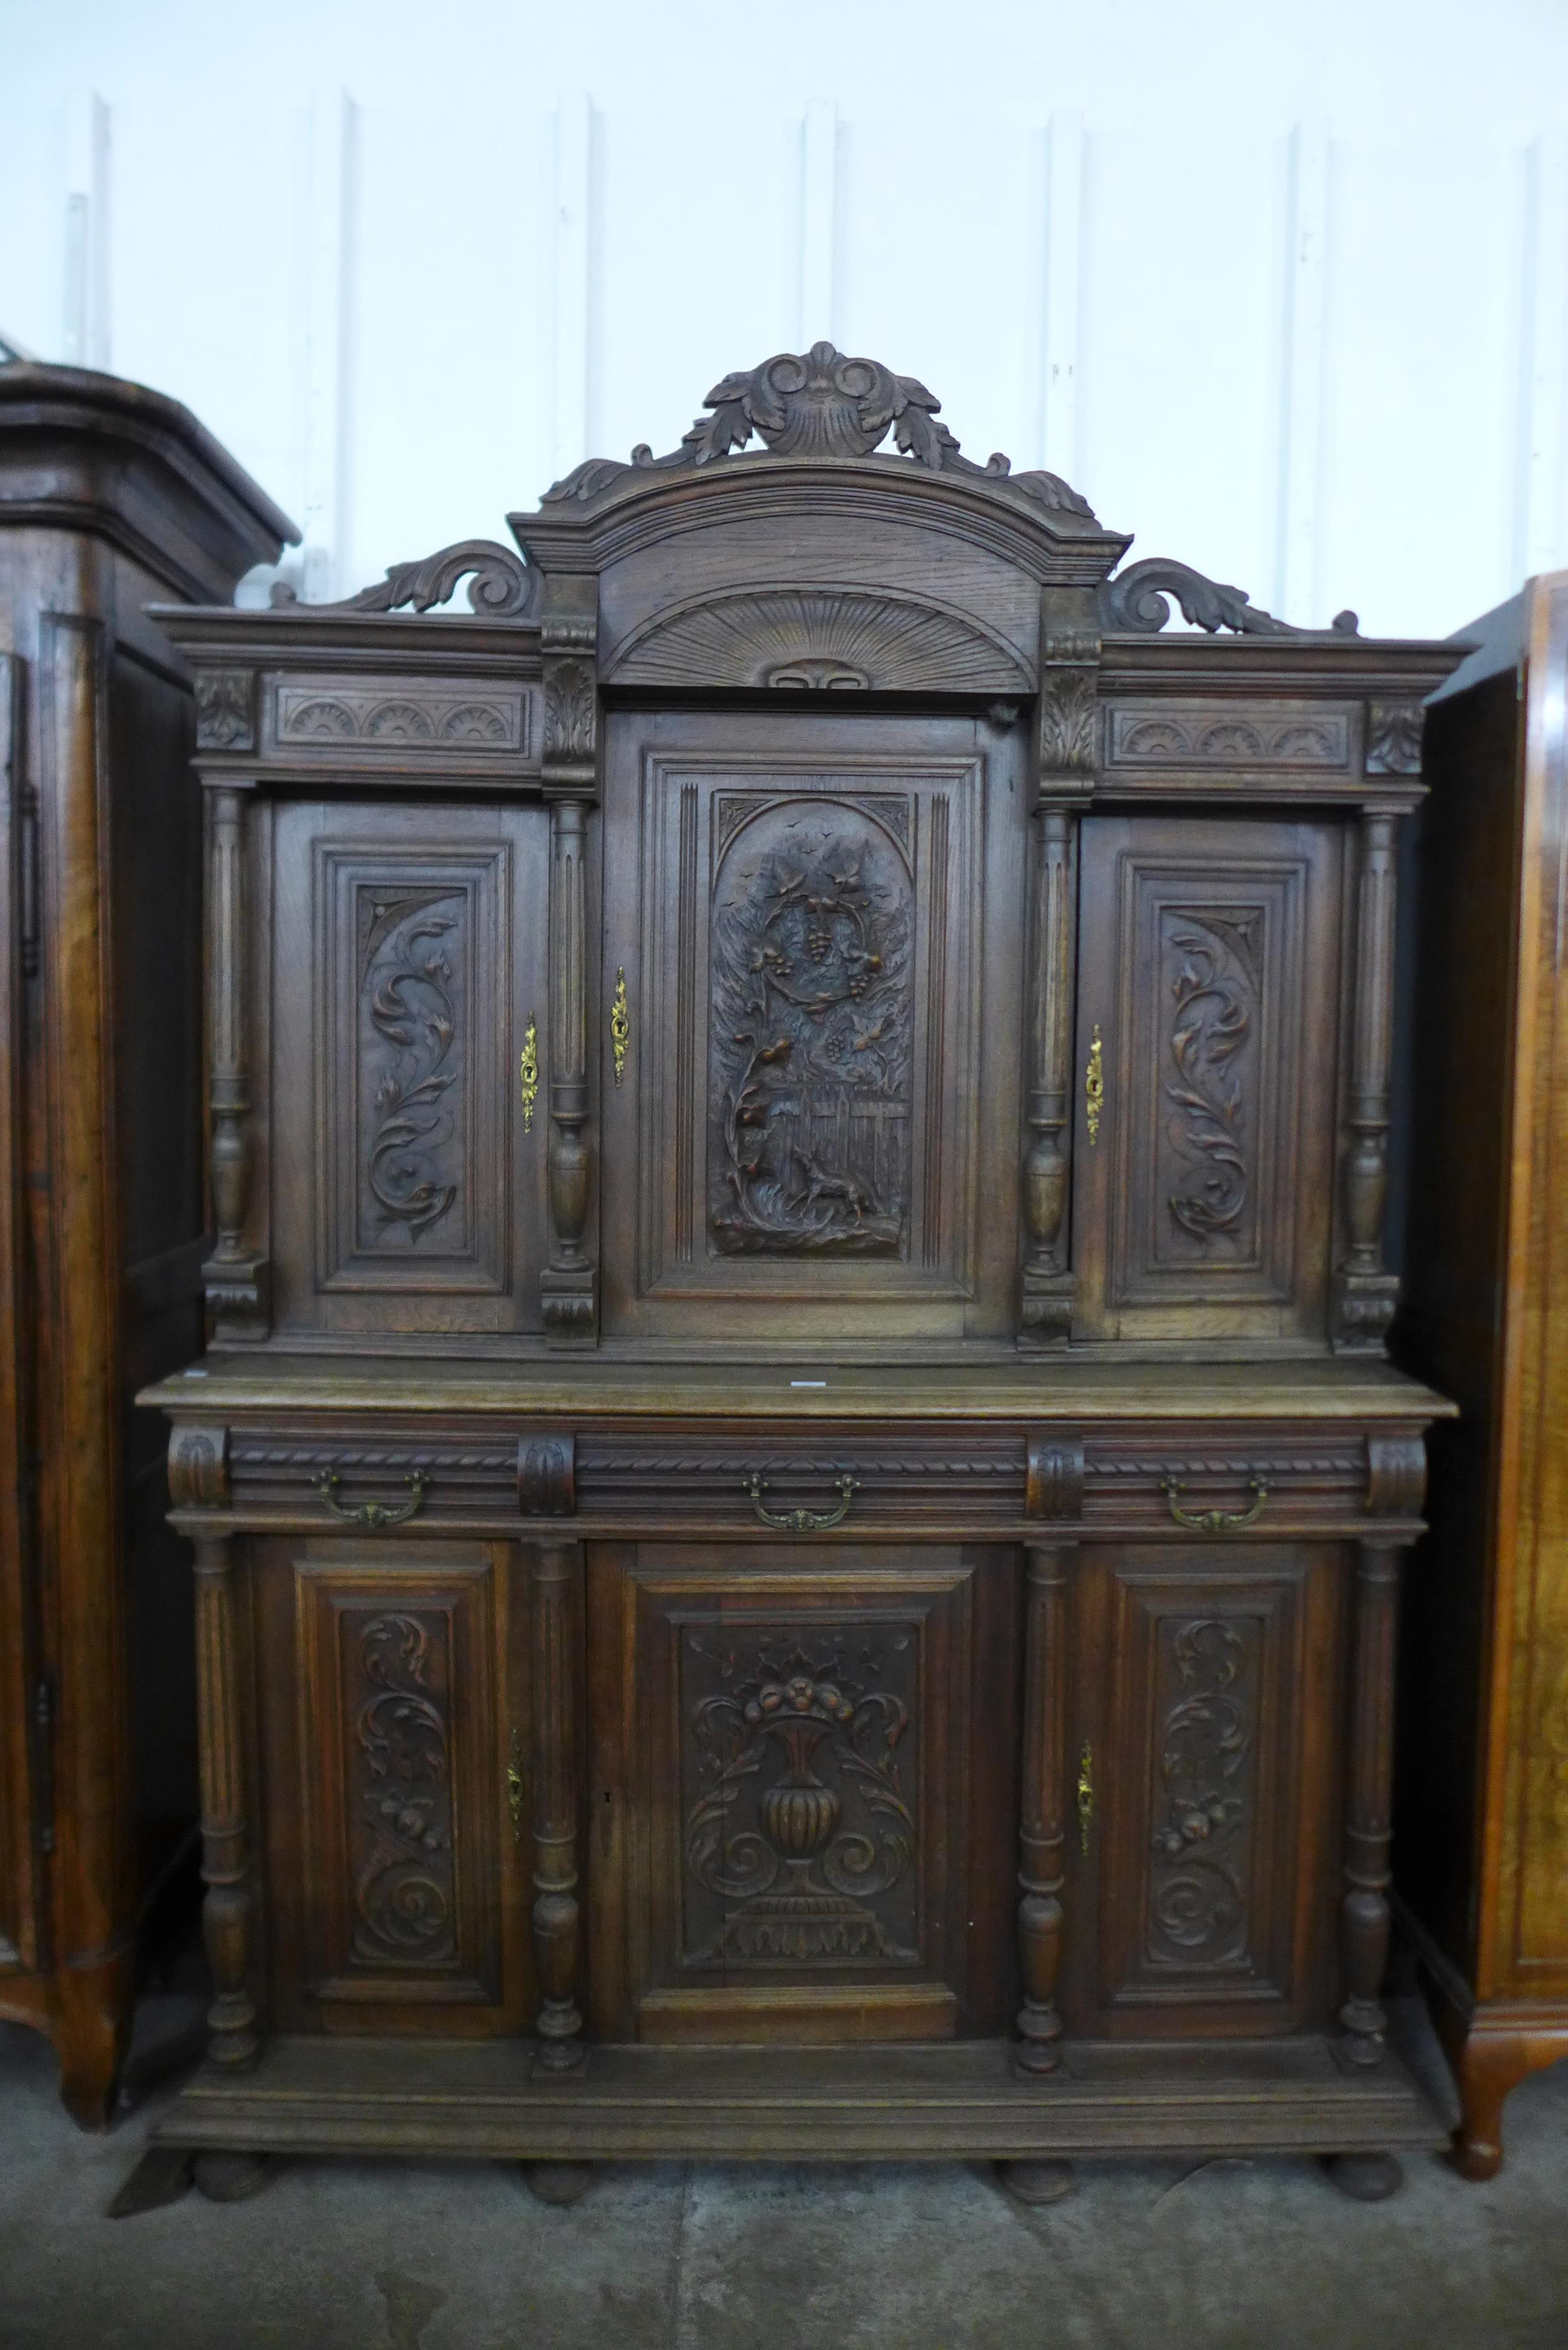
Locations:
(802, 1483)
(1187, 1484)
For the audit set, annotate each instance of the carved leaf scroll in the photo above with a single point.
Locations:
(819, 404)
(403, 1887)
(500, 583)
(407, 993)
(1136, 600)
(1197, 1907)
(812, 1027)
(1215, 998)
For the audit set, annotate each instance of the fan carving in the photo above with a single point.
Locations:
(821, 640)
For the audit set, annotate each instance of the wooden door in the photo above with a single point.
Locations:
(408, 961)
(817, 925)
(392, 1698)
(1204, 1736)
(801, 1772)
(1209, 994)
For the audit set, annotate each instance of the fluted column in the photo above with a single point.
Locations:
(556, 1912)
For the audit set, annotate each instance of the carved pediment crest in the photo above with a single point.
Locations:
(819, 404)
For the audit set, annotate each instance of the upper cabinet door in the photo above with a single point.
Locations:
(407, 953)
(816, 922)
(1208, 993)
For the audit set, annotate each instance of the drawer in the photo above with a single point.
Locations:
(374, 1479)
(802, 1483)
(1193, 1483)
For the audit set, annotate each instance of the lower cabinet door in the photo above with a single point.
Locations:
(389, 1704)
(800, 1776)
(1205, 1731)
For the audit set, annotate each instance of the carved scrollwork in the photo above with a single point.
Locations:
(1196, 1909)
(1215, 990)
(406, 973)
(403, 1891)
(819, 404)
(500, 583)
(1136, 599)
(801, 1855)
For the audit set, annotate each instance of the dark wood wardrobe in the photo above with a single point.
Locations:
(111, 497)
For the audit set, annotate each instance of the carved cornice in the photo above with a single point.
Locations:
(814, 405)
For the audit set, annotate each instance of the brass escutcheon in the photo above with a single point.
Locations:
(528, 1074)
(1085, 1798)
(514, 1787)
(1095, 1087)
(620, 1025)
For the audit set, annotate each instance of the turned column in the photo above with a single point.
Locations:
(1365, 1914)
(1046, 1309)
(557, 1914)
(1367, 1291)
(1040, 1835)
(227, 1911)
(568, 635)
(235, 1276)
(1066, 735)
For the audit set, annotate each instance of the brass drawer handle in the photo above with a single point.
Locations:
(1085, 1798)
(374, 1514)
(1215, 1522)
(803, 1522)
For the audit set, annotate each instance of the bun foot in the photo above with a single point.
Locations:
(559, 2182)
(1037, 2182)
(1369, 2178)
(1475, 2158)
(230, 2177)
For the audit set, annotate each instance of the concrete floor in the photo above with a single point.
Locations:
(444, 2256)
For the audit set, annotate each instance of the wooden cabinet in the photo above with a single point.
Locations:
(801, 1111)
(110, 496)
(1483, 1824)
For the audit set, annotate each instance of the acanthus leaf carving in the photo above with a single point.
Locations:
(819, 404)
(1197, 1906)
(406, 974)
(1136, 598)
(1068, 705)
(225, 710)
(571, 711)
(1394, 738)
(403, 1882)
(1215, 992)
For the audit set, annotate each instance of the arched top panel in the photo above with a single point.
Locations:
(820, 638)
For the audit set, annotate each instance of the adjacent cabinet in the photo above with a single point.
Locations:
(797, 1499)
(110, 495)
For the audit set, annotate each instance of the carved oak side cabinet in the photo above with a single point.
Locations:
(797, 1500)
(109, 495)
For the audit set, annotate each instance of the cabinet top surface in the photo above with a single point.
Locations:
(1070, 1390)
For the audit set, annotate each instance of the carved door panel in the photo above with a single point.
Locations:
(391, 1705)
(816, 922)
(407, 954)
(803, 1819)
(1205, 1748)
(1208, 991)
